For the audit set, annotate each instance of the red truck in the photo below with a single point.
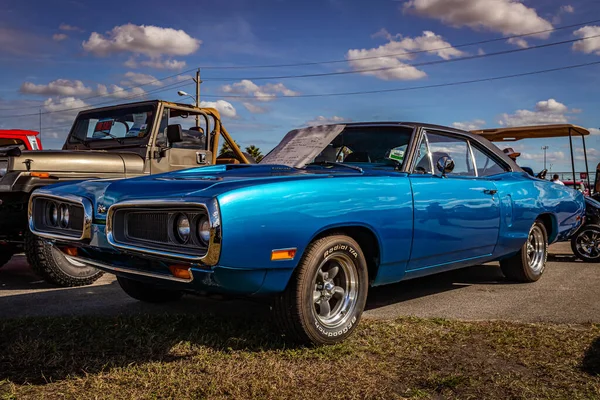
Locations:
(26, 140)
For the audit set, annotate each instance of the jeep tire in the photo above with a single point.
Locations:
(49, 263)
(326, 295)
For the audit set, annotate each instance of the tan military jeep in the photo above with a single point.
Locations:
(120, 141)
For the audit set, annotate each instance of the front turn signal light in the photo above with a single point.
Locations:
(281, 255)
(41, 175)
(181, 271)
(71, 251)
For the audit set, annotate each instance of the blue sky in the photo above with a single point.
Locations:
(68, 53)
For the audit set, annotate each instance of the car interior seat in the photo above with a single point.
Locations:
(358, 156)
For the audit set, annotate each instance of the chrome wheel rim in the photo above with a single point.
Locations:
(536, 249)
(335, 290)
(587, 243)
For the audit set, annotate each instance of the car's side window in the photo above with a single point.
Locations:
(423, 158)
(486, 166)
(456, 148)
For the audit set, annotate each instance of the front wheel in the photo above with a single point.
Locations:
(586, 243)
(326, 296)
(529, 263)
(50, 263)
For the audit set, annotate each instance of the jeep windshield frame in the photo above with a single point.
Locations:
(94, 128)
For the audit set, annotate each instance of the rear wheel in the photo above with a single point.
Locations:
(147, 292)
(529, 263)
(586, 243)
(50, 263)
(326, 296)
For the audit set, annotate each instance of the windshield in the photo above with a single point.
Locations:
(376, 146)
(12, 142)
(118, 125)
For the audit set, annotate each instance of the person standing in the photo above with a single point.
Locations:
(556, 180)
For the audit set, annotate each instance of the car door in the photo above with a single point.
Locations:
(456, 216)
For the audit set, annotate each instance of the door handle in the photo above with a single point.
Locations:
(490, 191)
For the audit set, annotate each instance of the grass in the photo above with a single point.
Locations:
(203, 356)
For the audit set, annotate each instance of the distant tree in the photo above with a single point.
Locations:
(225, 148)
(254, 152)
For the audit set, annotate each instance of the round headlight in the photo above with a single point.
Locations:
(64, 215)
(182, 228)
(53, 214)
(204, 229)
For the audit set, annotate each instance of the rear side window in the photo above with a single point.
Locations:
(485, 165)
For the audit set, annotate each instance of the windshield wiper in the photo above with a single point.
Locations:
(80, 140)
(118, 139)
(337, 164)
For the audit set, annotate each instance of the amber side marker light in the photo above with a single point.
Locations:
(180, 271)
(285, 254)
(41, 175)
(71, 251)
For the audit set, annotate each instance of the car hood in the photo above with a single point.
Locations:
(202, 182)
(77, 161)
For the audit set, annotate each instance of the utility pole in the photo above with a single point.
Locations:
(544, 148)
(198, 82)
(40, 124)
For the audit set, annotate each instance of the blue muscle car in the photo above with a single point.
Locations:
(330, 211)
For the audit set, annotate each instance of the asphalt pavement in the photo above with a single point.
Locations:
(569, 292)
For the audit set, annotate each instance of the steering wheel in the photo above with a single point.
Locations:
(542, 174)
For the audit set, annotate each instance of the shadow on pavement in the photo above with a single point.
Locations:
(407, 290)
(591, 359)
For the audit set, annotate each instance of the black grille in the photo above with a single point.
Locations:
(148, 226)
(154, 229)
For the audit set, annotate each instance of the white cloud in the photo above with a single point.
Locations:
(551, 156)
(134, 78)
(67, 27)
(588, 46)
(59, 37)
(545, 112)
(567, 9)
(120, 93)
(152, 41)
(265, 92)
(253, 108)
(594, 131)
(509, 17)
(469, 125)
(59, 87)
(225, 108)
(519, 42)
(321, 120)
(480, 52)
(156, 63)
(388, 56)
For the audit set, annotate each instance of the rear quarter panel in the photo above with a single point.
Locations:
(523, 199)
(258, 219)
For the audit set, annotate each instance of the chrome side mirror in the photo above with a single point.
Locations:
(445, 165)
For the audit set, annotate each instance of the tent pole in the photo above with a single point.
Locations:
(572, 158)
(587, 171)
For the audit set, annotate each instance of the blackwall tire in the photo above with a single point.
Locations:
(147, 292)
(529, 263)
(50, 264)
(586, 243)
(326, 296)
